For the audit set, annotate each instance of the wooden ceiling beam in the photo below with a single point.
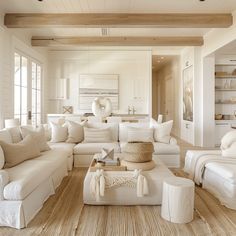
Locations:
(116, 41)
(118, 20)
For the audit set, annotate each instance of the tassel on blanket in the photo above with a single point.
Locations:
(97, 184)
(142, 185)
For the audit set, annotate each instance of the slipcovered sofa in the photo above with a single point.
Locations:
(25, 187)
(215, 170)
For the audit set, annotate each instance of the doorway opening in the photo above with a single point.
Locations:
(166, 87)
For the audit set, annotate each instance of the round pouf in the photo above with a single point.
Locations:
(138, 166)
(138, 152)
(178, 200)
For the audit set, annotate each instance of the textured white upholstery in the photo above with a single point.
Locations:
(4, 180)
(92, 148)
(226, 171)
(66, 147)
(25, 177)
(164, 148)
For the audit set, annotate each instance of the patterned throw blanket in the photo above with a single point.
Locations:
(100, 181)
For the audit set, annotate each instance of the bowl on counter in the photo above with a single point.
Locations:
(218, 116)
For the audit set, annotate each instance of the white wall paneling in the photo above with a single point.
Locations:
(131, 66)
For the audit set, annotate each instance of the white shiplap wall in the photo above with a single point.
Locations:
(8, 44)
(133, 68)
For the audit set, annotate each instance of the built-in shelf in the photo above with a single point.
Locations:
(225, 90)
(225, 103)
(225, 76)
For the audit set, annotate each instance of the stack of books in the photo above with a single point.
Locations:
(107, 158)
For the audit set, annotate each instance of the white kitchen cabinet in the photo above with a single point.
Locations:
(187, 132)
(62, 88)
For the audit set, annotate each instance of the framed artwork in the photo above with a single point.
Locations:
(188, 93)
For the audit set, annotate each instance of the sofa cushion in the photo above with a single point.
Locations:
(92, 148)
(66, 147)
(112, 126)
(226, 171)
(27, 176)
(165, 149)
(15, 153)
(123, 129)
(5, 136)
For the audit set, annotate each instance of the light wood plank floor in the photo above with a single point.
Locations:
(65, 214)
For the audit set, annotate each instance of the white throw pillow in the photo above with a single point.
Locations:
(2, 159)
(93, 135)
(75, 132)
(162, 132)
(38, 135)
(230, 152)
(140, 134)
(59, 133)
(228, 139)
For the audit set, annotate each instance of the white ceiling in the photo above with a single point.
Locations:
(129, 6)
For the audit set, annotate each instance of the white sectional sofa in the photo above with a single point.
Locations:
(25, 187)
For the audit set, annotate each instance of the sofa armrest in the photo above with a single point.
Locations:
(173, 141)
(4, 180)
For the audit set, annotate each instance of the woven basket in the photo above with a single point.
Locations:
(138, 152)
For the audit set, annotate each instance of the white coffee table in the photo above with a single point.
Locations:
(124, 195)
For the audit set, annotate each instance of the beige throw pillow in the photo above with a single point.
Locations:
(38, 135)
(75, 132)
(93, 135)
(14, 154)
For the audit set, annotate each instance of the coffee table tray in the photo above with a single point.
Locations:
(93, 168)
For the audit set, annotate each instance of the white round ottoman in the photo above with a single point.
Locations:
(178, 200)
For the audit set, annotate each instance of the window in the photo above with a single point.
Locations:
(20, 89)
(36, 93)
(27, 90)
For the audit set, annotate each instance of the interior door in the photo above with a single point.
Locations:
(169, 99)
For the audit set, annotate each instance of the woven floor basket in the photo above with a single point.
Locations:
(138, 152)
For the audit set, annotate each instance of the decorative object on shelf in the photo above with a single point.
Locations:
(220, 73)
(67, 109)
(226, 84)
(101, 107)
(218, 116)
(234, 72)
(188, 94)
